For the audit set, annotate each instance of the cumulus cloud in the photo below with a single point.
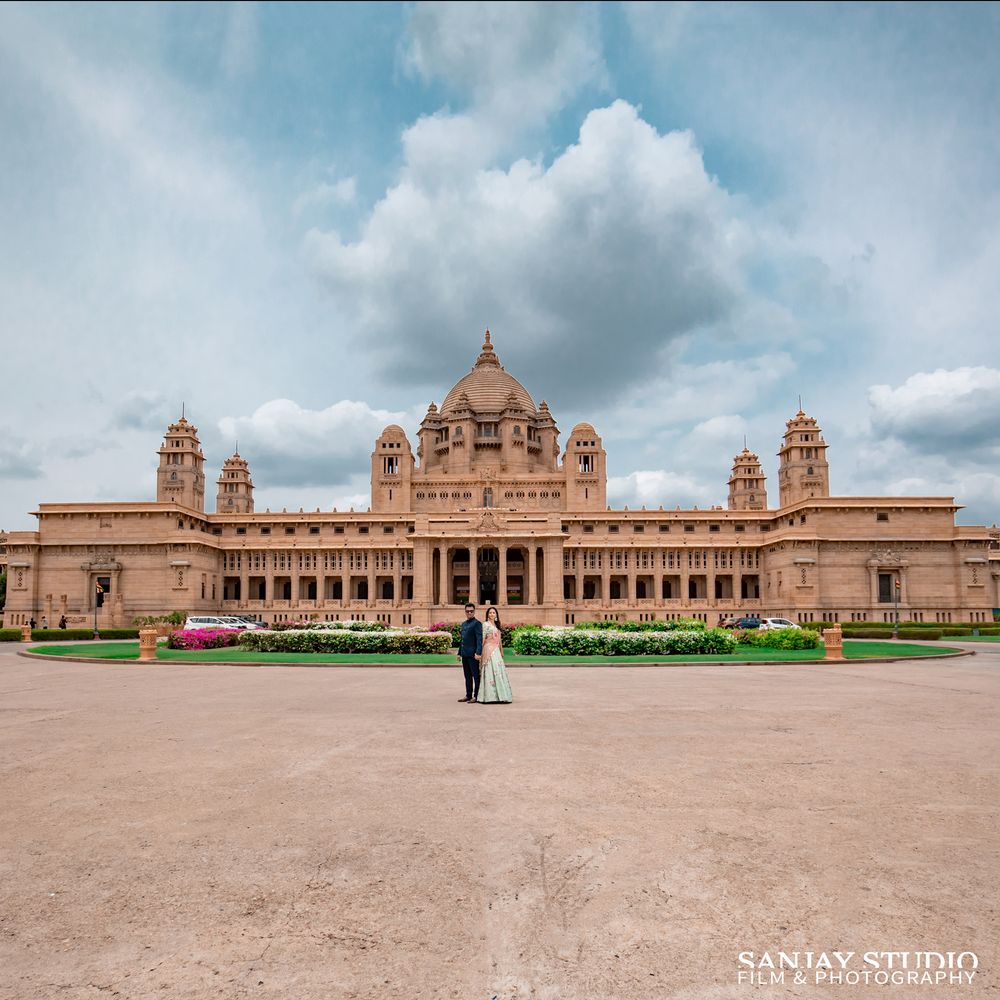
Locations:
(288, 445)
(941, 409)
(657, 487)
(18, 459)
(323, 195)
(141, 409)
(618, 248)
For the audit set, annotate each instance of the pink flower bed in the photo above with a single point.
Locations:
(203, 638)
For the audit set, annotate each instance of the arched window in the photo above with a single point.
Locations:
(488, 497)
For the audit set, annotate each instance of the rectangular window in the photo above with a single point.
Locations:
(689, 528)
(638, 528)
(586, 463)
(363, 529)
(314, 531)
(713, 527)
(265, 531)
(588, 529)
(740, 527)
(613, 528)
(664, 528)
(241, 531)
(338, 529)
(881, 516)
(289, 531)
(387, 529)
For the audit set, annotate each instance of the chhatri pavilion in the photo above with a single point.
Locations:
(491, 508)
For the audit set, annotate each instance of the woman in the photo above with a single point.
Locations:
(494, 688)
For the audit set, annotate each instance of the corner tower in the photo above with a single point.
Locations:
(747, 483)
(803, 470)
(392, 471)
(180, 477)
(235, 494)
(585, 463)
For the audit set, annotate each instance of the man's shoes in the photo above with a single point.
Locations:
(465, 699)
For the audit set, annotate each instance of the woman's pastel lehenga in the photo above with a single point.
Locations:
(494, 688)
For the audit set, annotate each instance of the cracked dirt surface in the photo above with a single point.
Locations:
(192, 831)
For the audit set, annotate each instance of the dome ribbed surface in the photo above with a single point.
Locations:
(488, 387)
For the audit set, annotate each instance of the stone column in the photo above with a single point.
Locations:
(473, 572)
(710, 577)
(605, 555)
(502, 575)
(684, 567)
(397, 577)
(294, 559)
(345, 578)
(269, 560)
(445, 597)
(530, 569)
(658, 575)
(632, 555)
(244, 558)
(580, 554)
(372, 559)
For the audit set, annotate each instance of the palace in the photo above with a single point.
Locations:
(488, 509)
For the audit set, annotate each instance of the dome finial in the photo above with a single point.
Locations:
(488, 355)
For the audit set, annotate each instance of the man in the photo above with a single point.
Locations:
(470, 651)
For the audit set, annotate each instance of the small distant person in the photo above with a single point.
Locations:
(62, 622)
(470, 651)
(45, 622)
(31, 623)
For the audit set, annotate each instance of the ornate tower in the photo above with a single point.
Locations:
(746, 484)
(392, 471)
(585, 465)
(235, 494)
(803, 470)
(181, 475)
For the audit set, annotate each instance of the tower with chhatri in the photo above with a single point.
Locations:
(180, 477)
(747, 483)
(803, 469)
(235, 494)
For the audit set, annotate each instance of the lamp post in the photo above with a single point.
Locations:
(98, 602)
(895, 593)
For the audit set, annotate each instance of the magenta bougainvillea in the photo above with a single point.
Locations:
(203, 638)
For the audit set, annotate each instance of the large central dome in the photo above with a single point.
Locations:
(487, 388)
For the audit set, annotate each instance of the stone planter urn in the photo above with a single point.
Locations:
(25, 633)
(833, 639)
(147, 643)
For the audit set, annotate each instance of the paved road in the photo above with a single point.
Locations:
(190, 831)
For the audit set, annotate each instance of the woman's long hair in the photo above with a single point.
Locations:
(493, 608)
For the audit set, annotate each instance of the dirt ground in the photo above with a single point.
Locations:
(192, 831)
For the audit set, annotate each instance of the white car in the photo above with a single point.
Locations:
(244, 623)
(773, 623)
(212, 621)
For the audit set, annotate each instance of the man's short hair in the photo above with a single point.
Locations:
(470, 605)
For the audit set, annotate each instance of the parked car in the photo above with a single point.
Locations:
(239, 621)
(211, 621)
(745, 623)
(773, 623)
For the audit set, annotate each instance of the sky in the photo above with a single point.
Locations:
(296, 221)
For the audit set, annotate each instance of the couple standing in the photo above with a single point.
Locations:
(481, 653)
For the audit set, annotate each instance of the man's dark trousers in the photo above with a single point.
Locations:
(471, 645)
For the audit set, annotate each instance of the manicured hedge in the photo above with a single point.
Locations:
(351, 626)
(57, 634)
(849, 632)
(779, 638)
(344, 641)
(682, 624)
(10, 635)
(927, 633)
(603, 642)
(952, 630)
(454, 629)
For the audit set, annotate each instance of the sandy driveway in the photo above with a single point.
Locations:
(191, 831)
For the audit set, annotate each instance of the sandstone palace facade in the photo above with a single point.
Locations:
(488, 509)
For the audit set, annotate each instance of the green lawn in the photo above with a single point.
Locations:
(854, 650)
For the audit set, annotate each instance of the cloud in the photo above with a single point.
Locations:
(288, 445)
(324, 195)
(941, 410)
(585, 270)
(657, 487)
(19, 459)
(143, 410)
(239, 44)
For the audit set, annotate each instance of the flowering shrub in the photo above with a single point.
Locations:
(203, 638)
(684, 624)
(605, 642)
(455, 628)
(779, 638)
(344, 641)
(352, 626)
